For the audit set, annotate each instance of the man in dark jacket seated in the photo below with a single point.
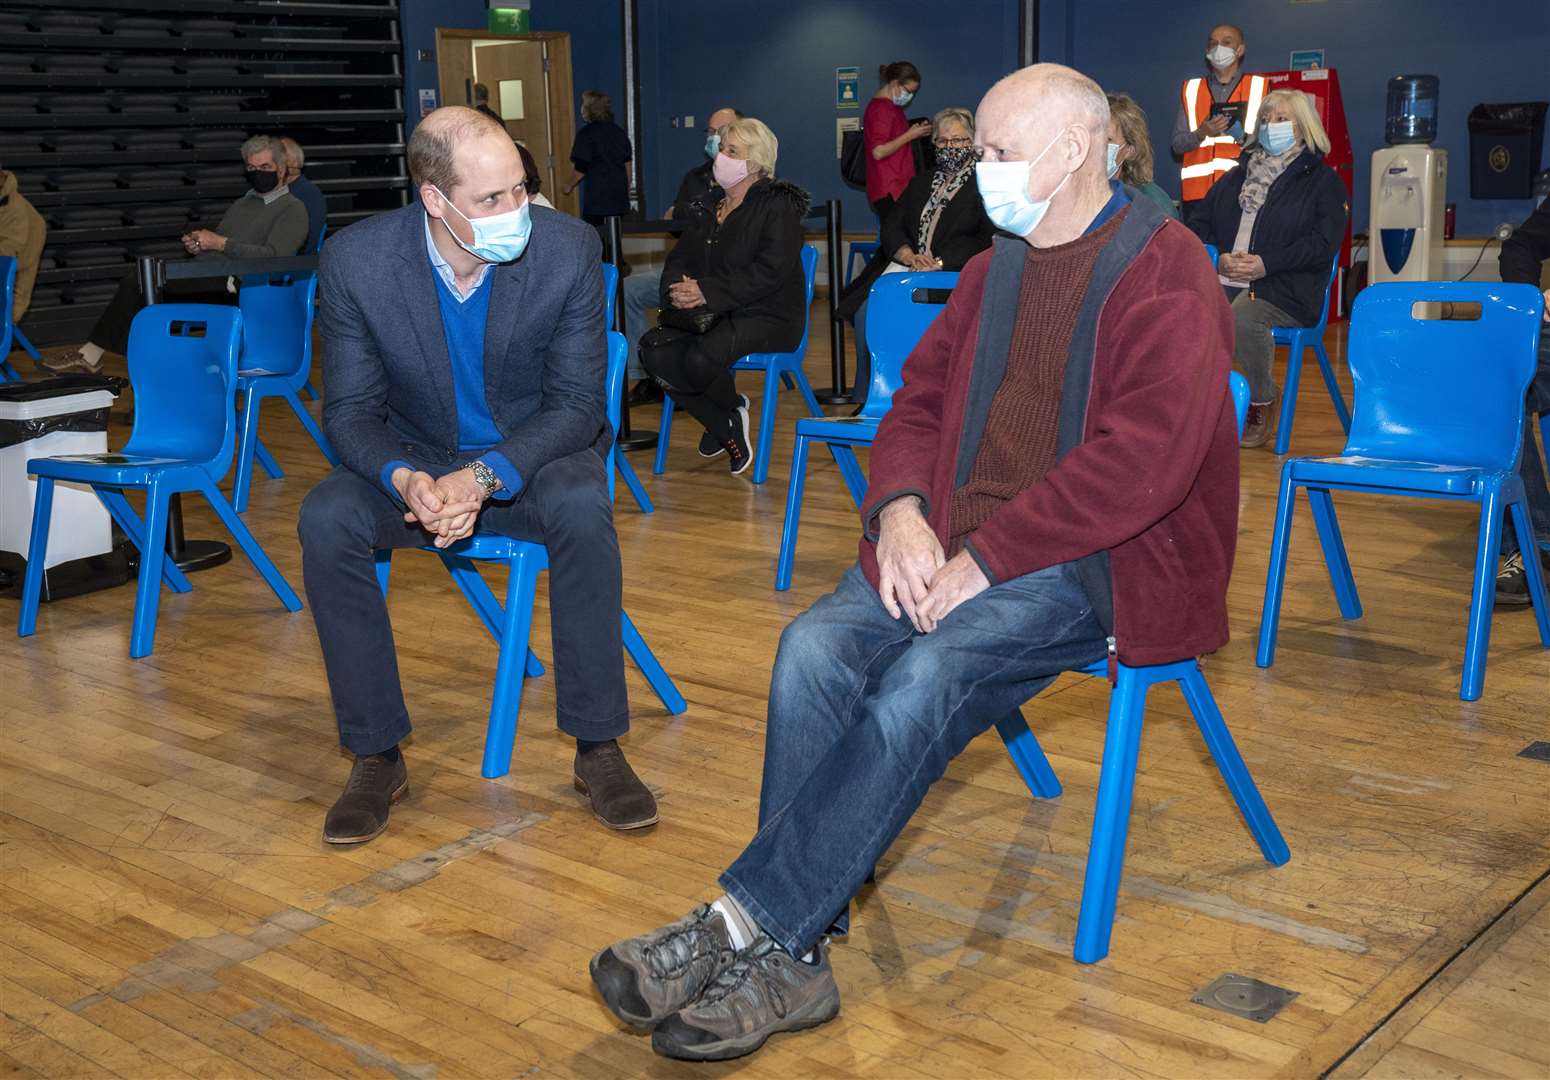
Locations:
(464, 357)
(1057, 481)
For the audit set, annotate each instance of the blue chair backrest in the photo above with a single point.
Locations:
(1448, 391)
(809, 272)
(898, 312)
(1213, 253)
(610, 293)
(613, 392)
(322, 233)
(8, 278)
(183, 365)
(1329, 287)
(277, 325)
(1238, 386)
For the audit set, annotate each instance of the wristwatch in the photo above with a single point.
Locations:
(486, 477)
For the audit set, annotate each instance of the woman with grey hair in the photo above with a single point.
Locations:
(598, 158)
(939, 223)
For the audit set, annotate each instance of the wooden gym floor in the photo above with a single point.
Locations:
(167, 907)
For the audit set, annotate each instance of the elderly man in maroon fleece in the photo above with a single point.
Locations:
(1057, 481)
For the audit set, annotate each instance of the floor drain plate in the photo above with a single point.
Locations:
(1243, 996)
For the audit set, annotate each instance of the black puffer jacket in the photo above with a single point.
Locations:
(750, 266)
(1296, 234)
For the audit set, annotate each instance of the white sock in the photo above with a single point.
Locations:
(740, 926)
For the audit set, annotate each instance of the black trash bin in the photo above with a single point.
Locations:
(1505, 142)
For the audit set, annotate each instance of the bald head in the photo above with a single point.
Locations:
(444, 140)
(721, 118)
(1225, 34)
(1028, 108)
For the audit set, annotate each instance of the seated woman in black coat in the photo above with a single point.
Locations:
(1277, 219)
(938, 223)
(737, 267)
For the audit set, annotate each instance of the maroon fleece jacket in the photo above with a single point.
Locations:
(1153, 480)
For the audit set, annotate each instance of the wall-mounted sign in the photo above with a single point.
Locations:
(427, 102)
(1306, 59)
(847, 88)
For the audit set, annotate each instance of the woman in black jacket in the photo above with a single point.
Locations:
(738, 266)
(1277, 219)
(939, 223)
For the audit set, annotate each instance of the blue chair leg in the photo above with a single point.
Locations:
(850, 471)
(310, 390)
(662, 683)
(1197, 693)
(129, 521)
(37, 553)
(251, 548)
(535, 666)
(1482, 601)
(785, 379)
(632, 481)
(19, 340)
(506, 699)
(1275, 575)
(311, 425)
(266, 460)
(466, 577)
(8, 373)
(1028, 756)
(247, 449)
(1294, 351)
(663, 435)
(788, 531)
(1536, 579)
(1111, 817)
(766, 440)
(813, 408)
(1335, 396)
(153, 552)
(1335, 559)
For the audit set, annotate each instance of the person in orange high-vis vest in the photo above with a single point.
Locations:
(1217, 114)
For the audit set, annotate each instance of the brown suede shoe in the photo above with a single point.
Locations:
(362, 810)
(619, 799)
(1260, 423)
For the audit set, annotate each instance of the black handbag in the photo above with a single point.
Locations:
(693, 321)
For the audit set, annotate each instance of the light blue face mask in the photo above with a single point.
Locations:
(1277, 138)
(713, 144)
(1004, 191)
(499, 238)
(1113, 159)
(903, 97)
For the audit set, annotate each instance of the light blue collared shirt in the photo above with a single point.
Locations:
(443, 268)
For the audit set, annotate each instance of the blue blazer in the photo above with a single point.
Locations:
(388, 392)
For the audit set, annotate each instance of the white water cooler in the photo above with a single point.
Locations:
(1409, 191)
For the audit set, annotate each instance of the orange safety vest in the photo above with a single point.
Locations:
(1216, 154)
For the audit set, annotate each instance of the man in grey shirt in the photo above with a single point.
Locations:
(266, 222)
(1206, 139)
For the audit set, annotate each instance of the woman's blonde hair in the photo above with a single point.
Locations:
(760, 146)
(1135, 170)
(953, 112)
(1304, 116)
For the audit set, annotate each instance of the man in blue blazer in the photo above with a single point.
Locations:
(463, 356)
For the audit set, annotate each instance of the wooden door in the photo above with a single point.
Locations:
(514, 73)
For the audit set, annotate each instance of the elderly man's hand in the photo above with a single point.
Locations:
(1214, 125)
(205, 240)
(908, 553)
(958, 580)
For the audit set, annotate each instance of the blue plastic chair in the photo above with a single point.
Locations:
(1439, 415)
(307, 387)
(897, 319)
(787, 365)
(864, 250)
(10, 334)
(511, 626)
(610, 294)
(276, 362)
(183, 364)
(1117, 776)
(1297, 339)
(621, 461)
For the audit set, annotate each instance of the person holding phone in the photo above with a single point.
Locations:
(887, 135)
(1217, 116)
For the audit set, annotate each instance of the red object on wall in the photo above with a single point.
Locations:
(1323, 86)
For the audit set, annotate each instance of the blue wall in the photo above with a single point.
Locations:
(418, 22)
(777, 60)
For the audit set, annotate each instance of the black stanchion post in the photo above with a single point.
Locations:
(628, 439)
(839, 393)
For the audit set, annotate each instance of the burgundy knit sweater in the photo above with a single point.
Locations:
(1018, 447)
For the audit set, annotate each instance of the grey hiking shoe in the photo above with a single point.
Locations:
(648, 978)
(766, 991)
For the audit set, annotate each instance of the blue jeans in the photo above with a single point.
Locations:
(642, 292)
(865, 714)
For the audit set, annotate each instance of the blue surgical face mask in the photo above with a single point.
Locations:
(713, 144)
(1113, 160)
(902, 98)
(1004, 191)
(499, 238)
(1277, 138)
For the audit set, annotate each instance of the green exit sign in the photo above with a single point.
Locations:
(504, 20)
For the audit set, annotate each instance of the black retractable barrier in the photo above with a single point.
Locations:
(153, 273)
